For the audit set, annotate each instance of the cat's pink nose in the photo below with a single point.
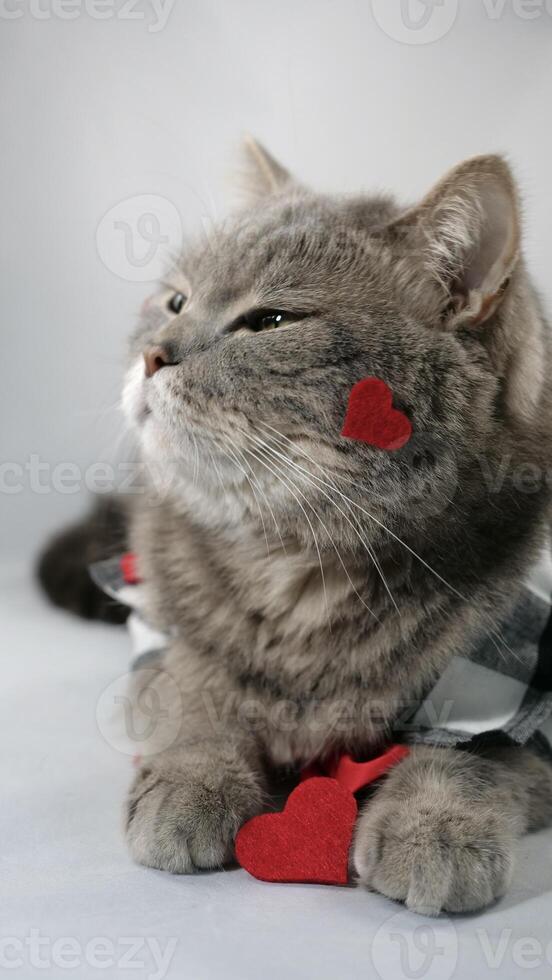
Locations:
(155, 358)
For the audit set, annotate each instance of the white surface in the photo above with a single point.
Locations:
(99, 111)
(65, 872)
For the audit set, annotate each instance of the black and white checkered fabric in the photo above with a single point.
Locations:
(147, 644)
(498, 689)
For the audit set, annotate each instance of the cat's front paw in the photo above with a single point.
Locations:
(184, 817)
(435, 855)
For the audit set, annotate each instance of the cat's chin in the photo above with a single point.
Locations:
(191, 488)
(155, 443)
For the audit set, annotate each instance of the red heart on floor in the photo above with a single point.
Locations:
(308, 841)
(371, 417)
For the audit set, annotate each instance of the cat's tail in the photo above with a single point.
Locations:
(63, 566)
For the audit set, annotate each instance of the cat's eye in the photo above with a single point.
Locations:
(257, 320)
(176, 302)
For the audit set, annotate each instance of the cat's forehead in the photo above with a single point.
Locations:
(292, 246)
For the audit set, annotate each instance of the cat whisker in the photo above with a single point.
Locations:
(241, 456)
(355, 527)
(233, 459)
(225, 490)
(279, 436)
(260, 459)
(196, 461)
(217, 472)
(494, 632)
(309, 522)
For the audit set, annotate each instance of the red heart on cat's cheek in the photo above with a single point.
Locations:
(308, 841)
(371, 417)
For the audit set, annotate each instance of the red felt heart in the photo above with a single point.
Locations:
(371, 417)
(308, 841)
(129, 568)
(354, 775)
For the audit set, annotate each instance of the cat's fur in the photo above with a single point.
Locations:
(319, 585)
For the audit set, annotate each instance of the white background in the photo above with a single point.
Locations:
(100, 110)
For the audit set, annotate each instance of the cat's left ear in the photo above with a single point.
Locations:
(468, 231)
(263, 174)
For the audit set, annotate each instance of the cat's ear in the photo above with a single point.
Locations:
(468, 231)
(263, 175)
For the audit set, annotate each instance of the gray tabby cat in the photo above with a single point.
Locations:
(314, 585)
